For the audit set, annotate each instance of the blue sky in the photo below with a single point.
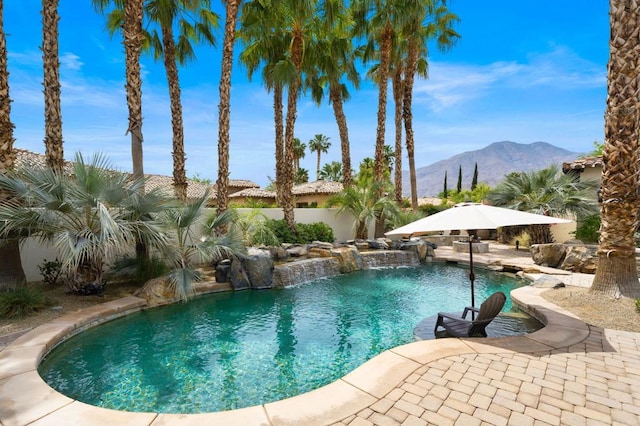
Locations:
(525, 71)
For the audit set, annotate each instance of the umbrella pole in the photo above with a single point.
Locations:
(472, 276)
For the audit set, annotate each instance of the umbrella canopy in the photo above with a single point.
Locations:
(472, 216)
(469, 216)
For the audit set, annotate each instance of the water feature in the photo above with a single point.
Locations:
(236, 349)
(306, 270)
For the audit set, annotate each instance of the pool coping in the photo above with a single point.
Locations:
(26, 399)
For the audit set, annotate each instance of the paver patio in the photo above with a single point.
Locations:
(568, 373)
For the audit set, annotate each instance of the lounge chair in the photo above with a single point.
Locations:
(459, 326)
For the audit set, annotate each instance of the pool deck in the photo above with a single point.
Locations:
(568, 373)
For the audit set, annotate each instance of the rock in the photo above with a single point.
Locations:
(362, 245)
(580, 259)
(278, 253)
(258, 266)
(157, 291)
(349, 258)
(222, 271)
(418, 246)
(550, 255)
(379, 244)
(322, 245)
(298, 250)
(319, 252)
(238, 277)
(547, 281)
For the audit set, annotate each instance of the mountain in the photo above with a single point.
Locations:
(494, 162)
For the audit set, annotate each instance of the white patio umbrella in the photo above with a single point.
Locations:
(471, 217)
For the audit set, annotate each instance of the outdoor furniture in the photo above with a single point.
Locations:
(459, 326)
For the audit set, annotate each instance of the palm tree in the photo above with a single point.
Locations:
(298, 153)
(616, 274)
(266, 43)
(320, 144)
(11, 268)
(133, 37)
(332, 171)
(334, 58)
(362, 200)
(302, 176)
(90, 216)
(224, 109)
(165, 14)
(51, 64)
(418, 33)
(547, 191)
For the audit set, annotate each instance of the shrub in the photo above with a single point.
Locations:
(638, 305)
(51, 271)
(588, 229)
(305, 232)
(523, 238)
(137, 270)
(20, 302)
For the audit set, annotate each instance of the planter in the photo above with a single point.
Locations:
(463, 247)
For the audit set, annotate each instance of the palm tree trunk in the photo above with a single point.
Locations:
(11, 271)
(617, 274)
(383, 75)
(132, 35)
(279, 129)
(173, 80)
(335, 97)
(407, 112)
(50, 61)
(224, 109)
(318, 166)
(398, 94)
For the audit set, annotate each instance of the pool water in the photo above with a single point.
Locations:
(237, 349)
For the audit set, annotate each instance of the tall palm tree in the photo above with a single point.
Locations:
(266, 43)
(320, 144)
(196, 23)
(334, 58)
(11, 266)
(433, 21)
(298, 153)
(616, 274)
(51, 64)
(549, 192)
(224, 109)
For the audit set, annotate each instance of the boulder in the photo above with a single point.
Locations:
(419, 246)
(580, 259)
(297, 250)
(157, 291)
(378, 244)
(349, 258)
(258, 266)
(278, 253)
(322, 245)
(362, 245)
(238, 277)
(222, 271)
(320, 252)
(550, 255)
(547, 281)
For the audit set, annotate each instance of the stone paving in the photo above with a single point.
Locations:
(567, 373)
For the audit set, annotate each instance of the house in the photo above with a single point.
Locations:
(236, 185)
(195, 190)
(586, 168)
(253, 196)
(315, 193)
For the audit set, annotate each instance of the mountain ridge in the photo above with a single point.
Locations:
(494, 162)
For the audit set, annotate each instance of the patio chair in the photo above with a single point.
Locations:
(459, 326)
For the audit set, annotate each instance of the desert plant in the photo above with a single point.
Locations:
(137, 269)
(638, 305)
(588, 229)
(21, 301)
(523, 239)
(51, 271)
(254, 229)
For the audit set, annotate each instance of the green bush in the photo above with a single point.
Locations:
(20, 302)
(638, 305)
(305, 232)
(588, 229)
(137, 270)
(51, 271)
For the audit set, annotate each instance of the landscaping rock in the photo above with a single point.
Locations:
(547, 281)
(298, 250)
(550, 255)
(418, 246)
(580, 259)
(259, 268)
(157, 291)
(322, 245)
(349, 258)
(238, 277)
(278, 253)
(222, 271)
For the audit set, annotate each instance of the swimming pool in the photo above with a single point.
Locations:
(233, 350)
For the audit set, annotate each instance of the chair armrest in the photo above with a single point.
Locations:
(469, 309)
(455, 316)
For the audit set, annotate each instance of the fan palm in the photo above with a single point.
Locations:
(549, 192)
(616, 274)
(90, 217)
(320, 144)
(11, 268)
(332, 171)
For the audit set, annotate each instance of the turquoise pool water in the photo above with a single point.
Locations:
(232, 350)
